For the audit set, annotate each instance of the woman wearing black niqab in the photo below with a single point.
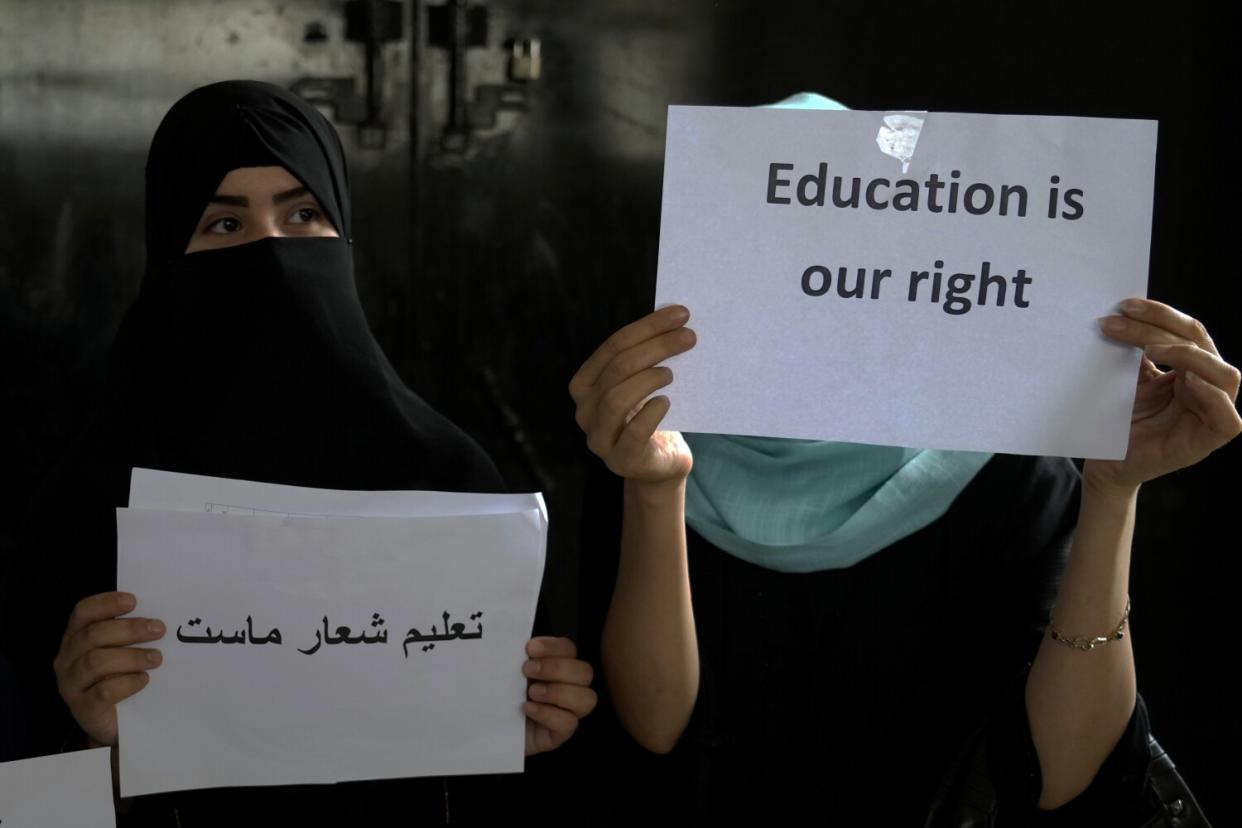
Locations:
(255, 361)
(246, 355)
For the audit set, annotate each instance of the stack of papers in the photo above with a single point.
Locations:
(319, 636)
(68, 790)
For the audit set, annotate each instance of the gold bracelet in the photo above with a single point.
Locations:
(1086, 643)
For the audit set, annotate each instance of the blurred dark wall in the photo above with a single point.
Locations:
(494, 253)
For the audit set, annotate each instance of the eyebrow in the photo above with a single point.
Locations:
(243, 201)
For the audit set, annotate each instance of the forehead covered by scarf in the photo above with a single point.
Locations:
(232, 124)
(254, 361)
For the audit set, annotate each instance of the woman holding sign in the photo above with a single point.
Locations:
(246, 355)
(834, 634)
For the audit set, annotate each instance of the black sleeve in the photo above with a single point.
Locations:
(66, 550)
(599, 552)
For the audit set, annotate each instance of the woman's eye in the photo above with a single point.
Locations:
(304, 215)
(224, 225)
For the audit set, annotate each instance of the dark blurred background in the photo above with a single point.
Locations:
(506, 160)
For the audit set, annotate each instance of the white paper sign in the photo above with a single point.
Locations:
(67, 790)
(326, 649)
(155, 489)
(948, 306)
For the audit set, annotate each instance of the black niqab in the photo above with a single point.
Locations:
(256, 361)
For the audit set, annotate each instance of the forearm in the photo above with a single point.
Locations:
(1079, 702)
(649, 650)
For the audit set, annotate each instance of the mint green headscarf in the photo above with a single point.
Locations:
(804, 506)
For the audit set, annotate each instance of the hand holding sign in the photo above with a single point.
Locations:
(97, 666)
(560, 692)
(1181, 415)
(844, 290)
(611, 386)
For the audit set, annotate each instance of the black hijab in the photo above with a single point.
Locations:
(256, 361)
(251, 362)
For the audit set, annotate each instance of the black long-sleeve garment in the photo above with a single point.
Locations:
(842, 697)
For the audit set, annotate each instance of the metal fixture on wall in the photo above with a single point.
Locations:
(373, 23)
(459, 26)
(525, 60)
